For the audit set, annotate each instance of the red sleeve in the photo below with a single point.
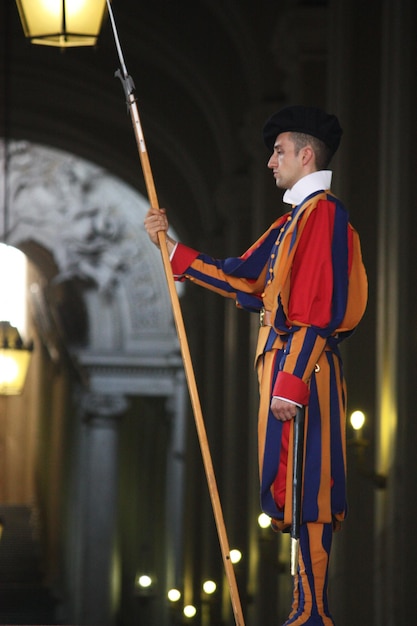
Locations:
(292, 388)
(182, 259)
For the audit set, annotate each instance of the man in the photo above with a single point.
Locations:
(306, 277)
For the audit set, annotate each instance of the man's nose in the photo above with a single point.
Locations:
(272, 161)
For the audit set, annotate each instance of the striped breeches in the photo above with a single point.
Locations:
(324, 488)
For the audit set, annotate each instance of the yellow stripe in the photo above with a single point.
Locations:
(264, 369)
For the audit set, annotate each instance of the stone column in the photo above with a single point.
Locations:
(395, 449)
(176, 406)
(99, 505)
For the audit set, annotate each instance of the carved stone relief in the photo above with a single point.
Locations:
(92, 225)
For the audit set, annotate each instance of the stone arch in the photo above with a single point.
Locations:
(84, 229)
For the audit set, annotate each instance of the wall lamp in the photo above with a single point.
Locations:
(359, 443)
(14, 360)
(62, 23)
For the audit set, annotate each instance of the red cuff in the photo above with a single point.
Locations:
(292, 388)
(182, 259)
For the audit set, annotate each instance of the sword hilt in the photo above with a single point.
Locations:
(295, 544)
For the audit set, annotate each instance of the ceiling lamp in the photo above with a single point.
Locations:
(62, 23)
(14, 360)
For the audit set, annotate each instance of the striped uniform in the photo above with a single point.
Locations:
(307, 271)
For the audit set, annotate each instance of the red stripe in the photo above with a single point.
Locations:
(312, 272)
(182, 259)
(279, 486)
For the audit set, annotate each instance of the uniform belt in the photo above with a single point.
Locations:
(265, 317)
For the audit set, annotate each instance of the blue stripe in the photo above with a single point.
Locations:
(252, 266)
(210, 280)
(340, 265)
(271, 456)
(248, 301)
(308, 345)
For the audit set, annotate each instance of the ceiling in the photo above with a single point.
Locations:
(202, 71)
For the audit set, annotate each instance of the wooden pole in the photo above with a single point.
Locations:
(182, 337)
(189, 371)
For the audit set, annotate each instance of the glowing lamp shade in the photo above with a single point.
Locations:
(14, 361)
(62, 23)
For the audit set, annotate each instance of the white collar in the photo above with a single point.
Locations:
(316, 181)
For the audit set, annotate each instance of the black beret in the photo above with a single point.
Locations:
(302, 119)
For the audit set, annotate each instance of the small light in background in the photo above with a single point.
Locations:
(190, 611)
(264, 520)
(235, 556)
(359, 444)
(209, 586)
(357, 420)
(174, 595)
(144, 581)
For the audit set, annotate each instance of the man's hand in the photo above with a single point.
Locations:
(283, 410)
(156, 221)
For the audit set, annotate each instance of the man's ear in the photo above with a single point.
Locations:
(307, 155)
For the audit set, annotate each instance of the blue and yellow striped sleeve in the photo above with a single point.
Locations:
(240, 278)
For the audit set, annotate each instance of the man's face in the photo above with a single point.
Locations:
(285, 164)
